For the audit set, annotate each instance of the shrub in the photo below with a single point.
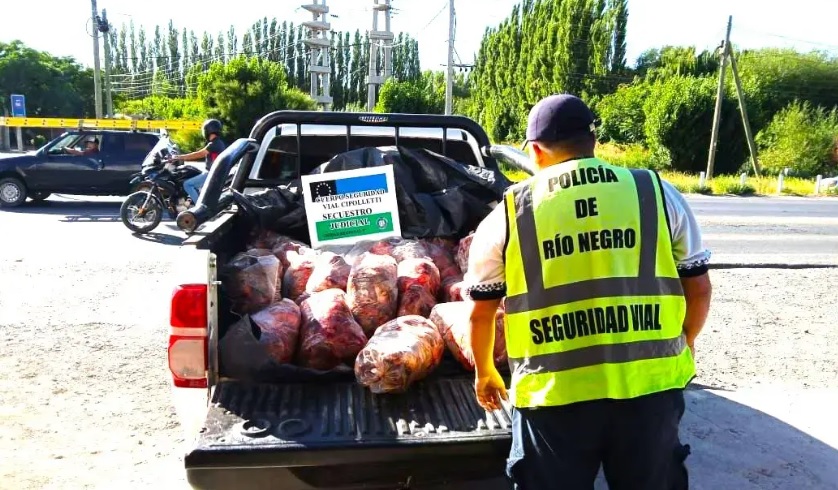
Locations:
(801, 137)
(679, 120)
(621, 114)
(244, 89)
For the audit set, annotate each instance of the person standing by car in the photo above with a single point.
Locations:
(606, 288)
(211, 130)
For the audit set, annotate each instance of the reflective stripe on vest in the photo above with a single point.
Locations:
(557, 368)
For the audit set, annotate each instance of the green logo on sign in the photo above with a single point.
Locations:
(382, 223)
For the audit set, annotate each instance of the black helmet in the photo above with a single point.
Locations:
(211, 126)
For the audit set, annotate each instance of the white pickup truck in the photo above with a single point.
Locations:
(330, 434)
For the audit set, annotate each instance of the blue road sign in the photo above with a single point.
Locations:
(18, 105)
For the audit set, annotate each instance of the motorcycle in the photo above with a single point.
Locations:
(158, 187)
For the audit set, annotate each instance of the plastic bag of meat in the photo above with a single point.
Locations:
(462, 252)
(372, 292)
(452, 320)
(418, 285)
(418, 271)
(284, 245)
(443, 259)
(451, 289)
(329, 335)
(330, 271)
(302, 298)
(408, 249)
(280, 329)
(416, 300)
(300, 268)
(252, 280)
(400, 353)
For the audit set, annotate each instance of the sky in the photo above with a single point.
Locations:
(62, 27)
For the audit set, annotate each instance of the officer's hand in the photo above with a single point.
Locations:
(490, 389)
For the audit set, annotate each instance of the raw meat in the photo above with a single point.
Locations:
(408, 249)
(400, 353)
(329, 335)
(280, 327)
(330, 271)
(372, 292)
(462, 252)
(443, 259)
(284, 245)
(418, 285)
(302, 298)
(418, 271)
(416, 300)
(451, 289)
(453, 322)
(300, 268)
(252, 281)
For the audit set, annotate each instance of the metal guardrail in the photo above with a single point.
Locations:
(68, 123)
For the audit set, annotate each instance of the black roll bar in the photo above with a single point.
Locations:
(212, 201)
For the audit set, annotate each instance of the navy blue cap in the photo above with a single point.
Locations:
(559, 117)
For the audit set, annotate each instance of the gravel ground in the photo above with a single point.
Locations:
(82, 364)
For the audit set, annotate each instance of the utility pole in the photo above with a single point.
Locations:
(319, 43)
(449, 85)
(377, 38)
(740, 94)
(97, 78)
(714, 136)
(105, 29)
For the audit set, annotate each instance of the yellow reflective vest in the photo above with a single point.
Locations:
(594, 305)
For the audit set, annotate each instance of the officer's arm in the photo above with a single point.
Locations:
(485, 282)
(697, 291)
(692, 259)
(482, 324)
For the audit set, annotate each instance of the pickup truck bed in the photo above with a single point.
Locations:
(346, 435)
(297, 434)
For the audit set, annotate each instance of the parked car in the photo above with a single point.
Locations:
(52, 169)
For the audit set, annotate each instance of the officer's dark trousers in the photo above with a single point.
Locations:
(636, 441)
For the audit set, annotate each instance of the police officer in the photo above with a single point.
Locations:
(606, 289)
(211, 131)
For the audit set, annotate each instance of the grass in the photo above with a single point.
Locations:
(638, 157)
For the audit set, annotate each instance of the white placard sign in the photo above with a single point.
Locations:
(348, 206)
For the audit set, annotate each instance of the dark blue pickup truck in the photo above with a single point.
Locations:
(63, 166)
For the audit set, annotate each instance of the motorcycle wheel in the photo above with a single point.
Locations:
(150, 217)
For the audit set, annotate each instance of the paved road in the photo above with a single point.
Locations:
(795, 231)
(754, 230)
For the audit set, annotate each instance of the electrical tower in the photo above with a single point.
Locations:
(320, 65)
(385, 39)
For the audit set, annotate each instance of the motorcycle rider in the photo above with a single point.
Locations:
(211, 130)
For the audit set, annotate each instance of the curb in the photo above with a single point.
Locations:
(726, 266)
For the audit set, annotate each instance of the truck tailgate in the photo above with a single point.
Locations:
(340, 435)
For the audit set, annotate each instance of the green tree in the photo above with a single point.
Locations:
(243, 90)
(53, 86)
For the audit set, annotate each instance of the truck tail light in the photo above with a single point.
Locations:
(188, 337)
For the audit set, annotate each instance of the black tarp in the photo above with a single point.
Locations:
(437, 196)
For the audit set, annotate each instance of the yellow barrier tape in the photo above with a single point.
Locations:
(54, 122)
